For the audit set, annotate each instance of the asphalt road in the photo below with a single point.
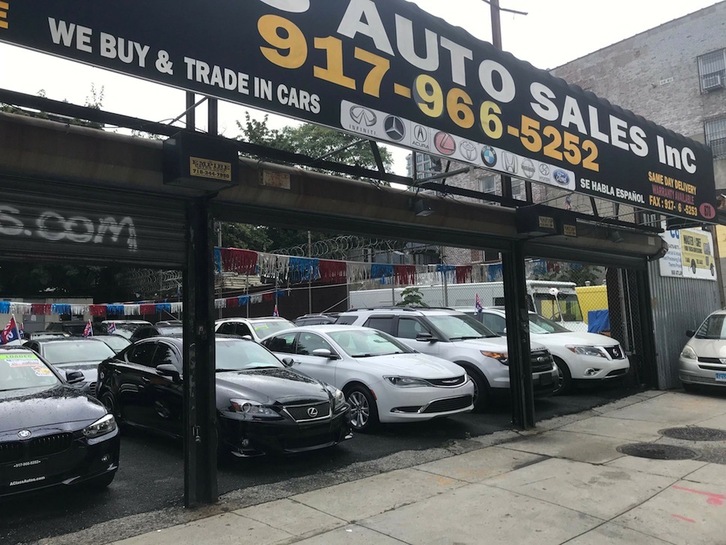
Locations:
(150, 477)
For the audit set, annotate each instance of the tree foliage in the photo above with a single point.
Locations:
(411, 296)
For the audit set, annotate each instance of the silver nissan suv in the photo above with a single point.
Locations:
(459, 338)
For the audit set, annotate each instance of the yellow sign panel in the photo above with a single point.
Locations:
(212, 170)
(4, 7)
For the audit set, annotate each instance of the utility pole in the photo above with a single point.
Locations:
(497, 42)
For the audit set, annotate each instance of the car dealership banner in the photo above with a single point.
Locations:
(389, 71)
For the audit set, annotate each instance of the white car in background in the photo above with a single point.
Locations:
(254, 328)
(579, 356)
(383, 379)
(703, 359)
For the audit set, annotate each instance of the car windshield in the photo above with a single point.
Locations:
(62, 352)
(541, 325)
(241, 355)
(116, 342)
(170, 330)
(265, 328)
(21, 370)
(362, 343)
(458, 327)
(714, 327)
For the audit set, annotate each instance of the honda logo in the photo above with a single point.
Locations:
(312, 412)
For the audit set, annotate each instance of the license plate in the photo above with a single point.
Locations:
(720, 377)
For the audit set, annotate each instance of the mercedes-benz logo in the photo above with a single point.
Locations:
(394, 127)
(312, 412)
(24, 434)
(363, 116)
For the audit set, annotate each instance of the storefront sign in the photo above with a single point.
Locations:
(389, 71)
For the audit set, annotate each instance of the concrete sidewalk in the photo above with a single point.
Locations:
(565, 482)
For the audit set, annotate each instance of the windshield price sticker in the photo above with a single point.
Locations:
(20, 360)
(387, 70)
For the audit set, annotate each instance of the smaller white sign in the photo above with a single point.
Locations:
(690, 255)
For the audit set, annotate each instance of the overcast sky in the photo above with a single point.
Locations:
(552, 33)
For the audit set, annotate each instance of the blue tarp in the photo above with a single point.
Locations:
(598, 321)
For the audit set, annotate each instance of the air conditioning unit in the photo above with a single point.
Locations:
(711, 82)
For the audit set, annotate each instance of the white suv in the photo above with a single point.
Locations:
(459, 338)
(255, 328)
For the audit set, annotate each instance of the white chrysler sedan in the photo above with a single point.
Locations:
(383, 379)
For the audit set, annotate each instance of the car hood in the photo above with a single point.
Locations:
(412, 365)
(494, 343)
(270, 385)
(44, 407)
(574, 338)
(708, 348)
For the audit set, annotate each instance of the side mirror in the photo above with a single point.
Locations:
(425, 337)
(74, 377)
(287, 362)
(324, 353)
(690, 332)
(168, 370)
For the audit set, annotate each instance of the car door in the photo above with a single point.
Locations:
(166, 393)
(133, 379)
(495, 322)
(319, 367)
(407, 329)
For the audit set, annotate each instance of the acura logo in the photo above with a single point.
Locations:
(24, 434)
(312, 412)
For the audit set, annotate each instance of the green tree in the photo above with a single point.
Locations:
(411, 296)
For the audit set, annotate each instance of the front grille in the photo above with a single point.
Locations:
(617, 373)
(92, 389)
(717, 361)
(615, 352)
(719, 368)
(541, 361)
(450, 382)
(309, 411)
(37, 447)
(446, 405)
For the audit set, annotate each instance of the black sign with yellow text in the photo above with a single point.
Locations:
(387, 70)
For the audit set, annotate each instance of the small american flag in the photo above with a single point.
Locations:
(477, 304)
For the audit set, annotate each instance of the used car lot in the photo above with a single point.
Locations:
(261, 405)
(383, 379)
(51, 434)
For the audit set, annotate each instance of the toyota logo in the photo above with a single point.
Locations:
(24, 434)
(312, 412)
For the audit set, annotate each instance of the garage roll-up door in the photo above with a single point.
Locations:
(61, 221)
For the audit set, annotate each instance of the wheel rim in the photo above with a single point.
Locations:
(475, 396)
(110, 405)
(360, 410)
(560, 379)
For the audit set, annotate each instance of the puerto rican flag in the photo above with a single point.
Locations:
(88, 330)
(10, 333)
(111, 328)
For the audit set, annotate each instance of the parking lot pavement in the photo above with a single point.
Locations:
(567, 482)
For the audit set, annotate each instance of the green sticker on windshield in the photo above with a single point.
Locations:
(24, 359)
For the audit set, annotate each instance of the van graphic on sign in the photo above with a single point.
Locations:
(696, 252)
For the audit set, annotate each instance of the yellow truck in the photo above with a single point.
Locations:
(592, 298)
(696, 251)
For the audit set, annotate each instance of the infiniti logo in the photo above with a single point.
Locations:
(312, 412)
(363, 116)
(24, 434)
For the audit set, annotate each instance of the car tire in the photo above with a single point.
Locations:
(109, 401)
(482, 395)
(363, 408)
(690, 388)
(564, 384)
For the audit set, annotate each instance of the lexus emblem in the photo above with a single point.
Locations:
(312, 412)
(24, 434)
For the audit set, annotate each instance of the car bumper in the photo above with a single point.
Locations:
(593, 368)
(44, 465)
(691, 372)
(415, 404)
(244, 438)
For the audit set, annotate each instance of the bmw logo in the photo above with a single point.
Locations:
(394, 127)
(24, 434)
(561, 177)
(489, 156)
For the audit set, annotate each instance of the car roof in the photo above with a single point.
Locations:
(323, 328)
(255, 319)
(404, 310)
(54, 340)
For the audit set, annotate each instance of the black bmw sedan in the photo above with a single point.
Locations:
(51, 434)
(262, 406)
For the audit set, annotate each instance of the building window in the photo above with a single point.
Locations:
(712, 70)
(716, 136)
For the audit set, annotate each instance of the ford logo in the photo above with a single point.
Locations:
(24, 434)
(312, 412)
(561, 177)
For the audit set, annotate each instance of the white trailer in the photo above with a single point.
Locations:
(554, 300)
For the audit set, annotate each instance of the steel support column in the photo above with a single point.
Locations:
(200, 428)
(649, 362)
(520, 364)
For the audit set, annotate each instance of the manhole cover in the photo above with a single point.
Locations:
(657, 451)
(694, 433)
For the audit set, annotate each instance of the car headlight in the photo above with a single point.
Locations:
(338, 396)
(252, 409)
(595, 351)
(102, 426)
(502, 357)
(689, 353)
(408, 382)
